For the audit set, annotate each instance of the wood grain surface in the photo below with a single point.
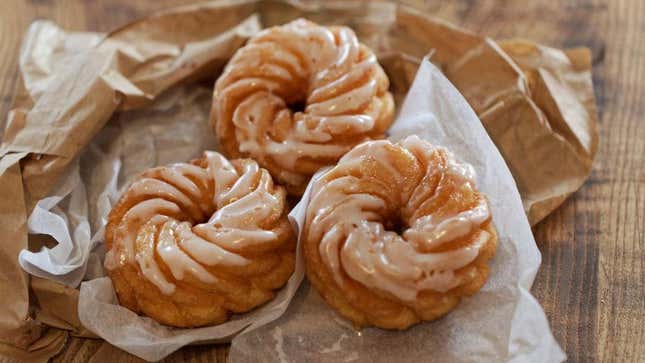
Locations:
(592, 280)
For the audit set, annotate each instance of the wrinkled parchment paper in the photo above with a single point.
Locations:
(173, 129)
(501, 323)
(536, 104)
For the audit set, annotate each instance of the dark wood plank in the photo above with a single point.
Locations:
(567, 282)
(79, 350)
(619, 184)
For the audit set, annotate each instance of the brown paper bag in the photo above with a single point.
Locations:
(536, 103)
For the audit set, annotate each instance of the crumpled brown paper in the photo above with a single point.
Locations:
(539, 109)
(536, 103)
(49, 127)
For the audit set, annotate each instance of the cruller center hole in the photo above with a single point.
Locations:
(396, 225)
(298, 106)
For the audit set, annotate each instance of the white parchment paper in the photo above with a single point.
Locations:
(174, 129)
(46, 50)
(501, 323)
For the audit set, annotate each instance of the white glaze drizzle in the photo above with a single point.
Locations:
(354, 240)
(206, 252)
(341, 78)
(146, 259)
(153, 229)
(177, 260)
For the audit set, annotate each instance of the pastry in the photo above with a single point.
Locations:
(397, 233)
(189, 243)
(297, 97)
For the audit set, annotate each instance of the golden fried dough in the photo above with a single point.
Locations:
(188, 244)
(397, 233)
(335, 80)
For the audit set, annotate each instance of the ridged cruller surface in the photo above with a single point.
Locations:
(397, 233)
(190, 243)
(297, 97)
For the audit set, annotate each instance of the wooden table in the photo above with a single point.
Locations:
(592, 280)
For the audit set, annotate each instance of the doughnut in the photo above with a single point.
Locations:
(297, 97)
(190, 243)
(397, 233)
